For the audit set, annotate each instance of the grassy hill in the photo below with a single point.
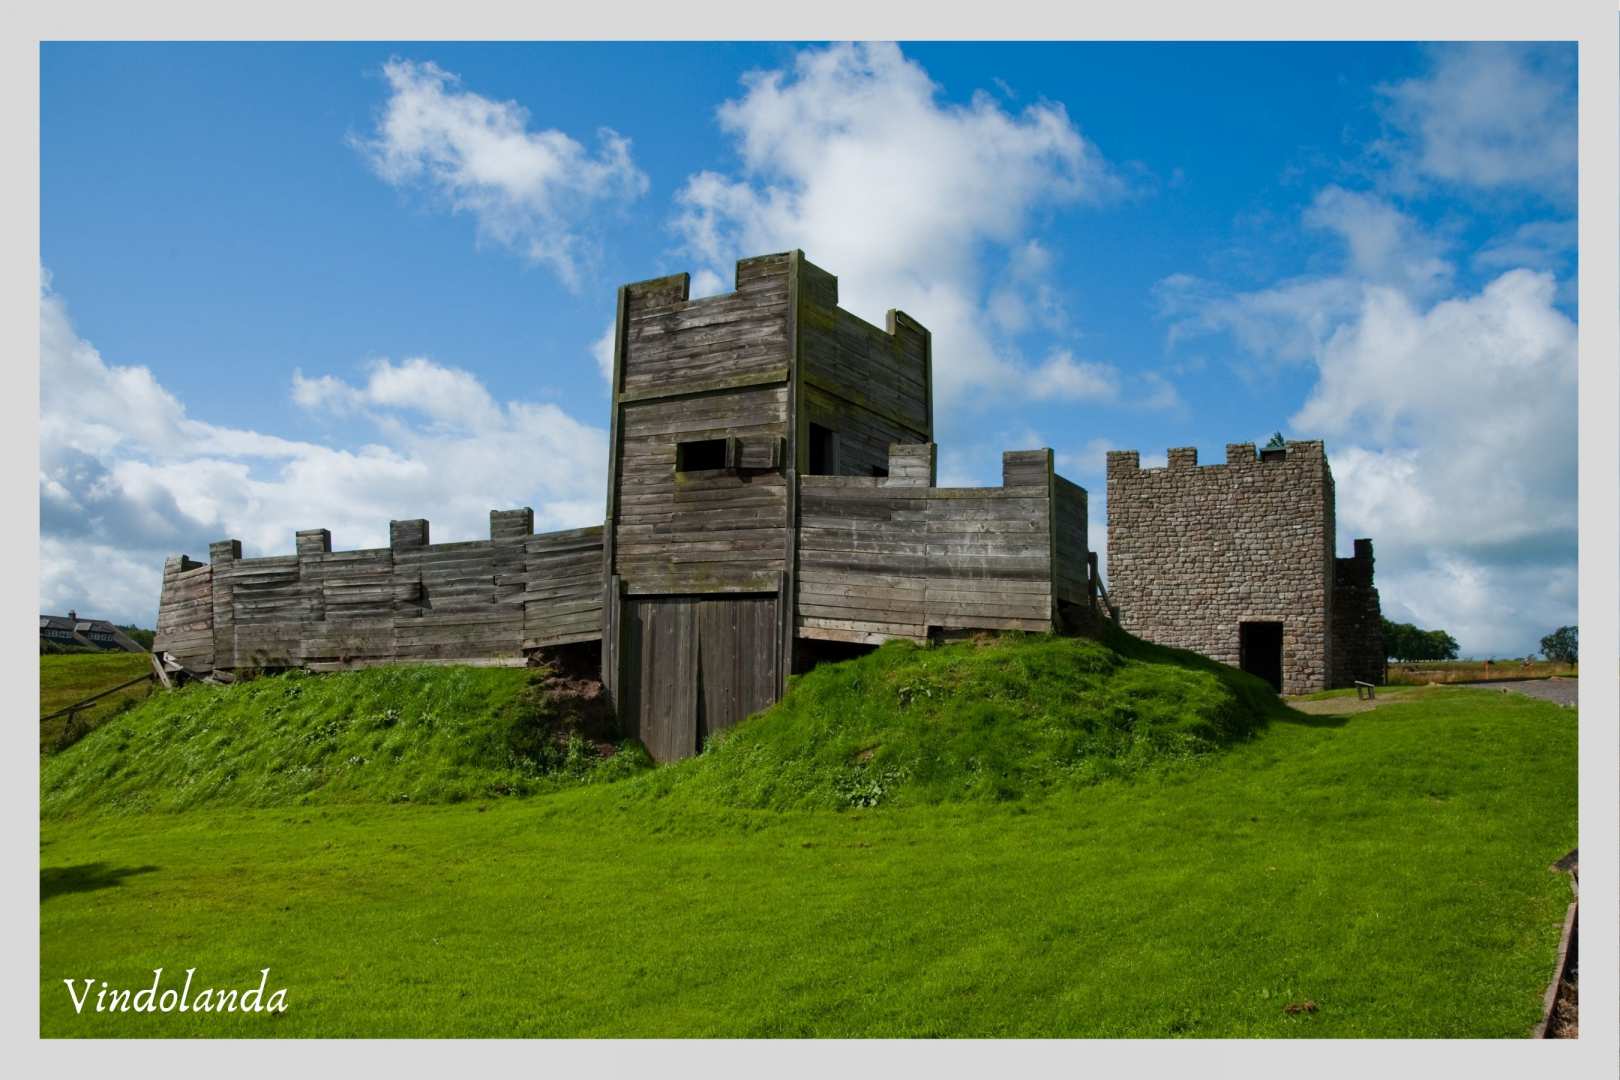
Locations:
(991, 720)
(391, 734)
(1026, 836)
(66, 678)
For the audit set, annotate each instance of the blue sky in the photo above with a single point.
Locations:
(299, 286)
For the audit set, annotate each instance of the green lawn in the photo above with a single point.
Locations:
(1391, 868)
(68, 678)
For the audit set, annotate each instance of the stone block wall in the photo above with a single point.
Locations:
(1358, 634)
(1194, 551)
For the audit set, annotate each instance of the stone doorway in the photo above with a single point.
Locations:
(1260, 651)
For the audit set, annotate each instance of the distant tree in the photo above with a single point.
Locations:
(1403, 641)
(1277, 442)
(1562, 646)
(143, 638)
(1441, 645)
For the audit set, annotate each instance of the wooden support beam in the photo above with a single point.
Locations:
(158, 672)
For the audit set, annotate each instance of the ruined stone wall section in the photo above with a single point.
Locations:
(1193, 551)
(1358, 633)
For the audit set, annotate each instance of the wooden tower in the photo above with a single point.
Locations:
(719, 406)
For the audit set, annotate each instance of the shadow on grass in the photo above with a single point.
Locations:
(86, 877)
(1320, 720)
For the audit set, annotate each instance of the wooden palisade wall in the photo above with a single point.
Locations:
(479, 601)
(185, 622)
(881, 558)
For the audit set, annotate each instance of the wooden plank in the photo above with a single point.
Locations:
(982, 622)
(951, 590)
(770, 376)
(890, 629)
(846, 540)
(588, 626)
(582, 603)
(489, 661)
(749, 582)
(650, 504)
(860, 609)
(539, 600)
(563, 537)
(671, 418)
(809, 590)
(158, 672)
(540, 570)
(544, 639)
(863, 563)
(1034, 549)
(859, 637)
(740, 354)
(1034, 608)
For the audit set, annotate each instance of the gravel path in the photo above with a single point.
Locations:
(1563, 691)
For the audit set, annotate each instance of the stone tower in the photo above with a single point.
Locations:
(1235, 561)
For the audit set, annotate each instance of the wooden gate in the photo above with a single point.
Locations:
(695, 665)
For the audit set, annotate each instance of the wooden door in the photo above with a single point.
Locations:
(694, 666)
(660, 674)
(738, 660)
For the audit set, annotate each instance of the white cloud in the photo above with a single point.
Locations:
(708, 283)
(1487, 116)
(1383, 244)
(1089, 461)
(1452, 438)
(1288, 321)
(323, 392)
(445, 395)
(1159, 393)
(1284, 322)
(529, 190)
(850, 156)
(1505, 353)
(1064, 378)
(98, 580)
(128, 478)
(602, 353)
(1539, 245)
(1087, 465)
(1026, 295)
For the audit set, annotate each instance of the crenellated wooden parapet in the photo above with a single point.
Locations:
(479, 601)
(897, 557)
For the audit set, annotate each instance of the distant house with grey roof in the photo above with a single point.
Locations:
(70, 630)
